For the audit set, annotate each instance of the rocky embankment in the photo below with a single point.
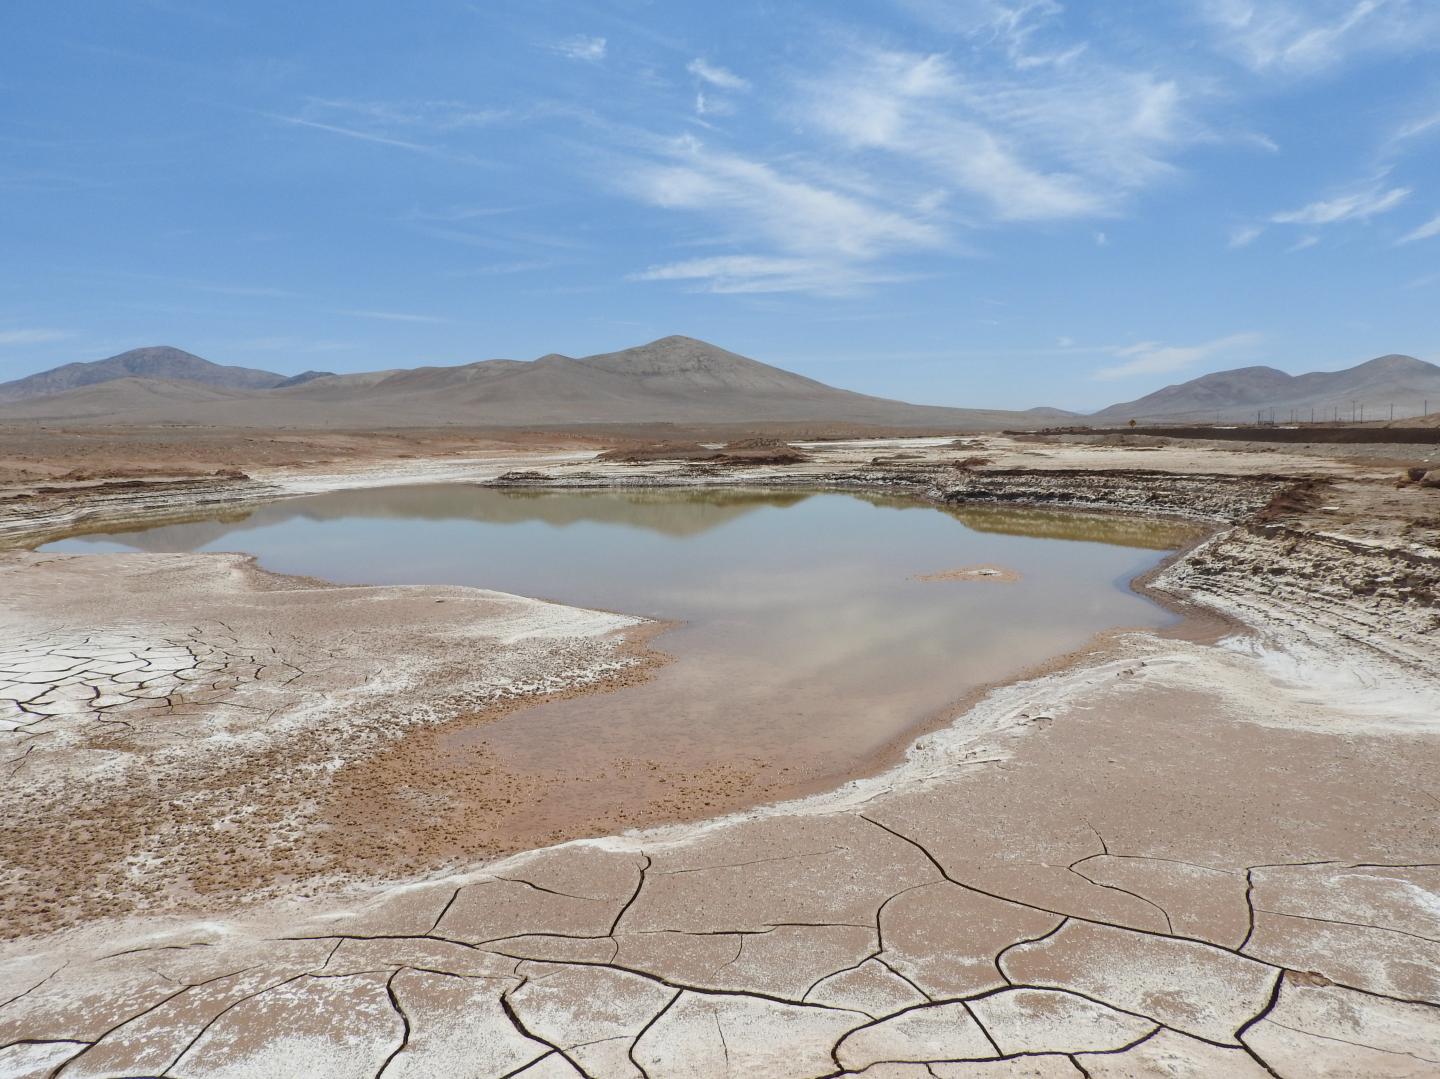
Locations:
(1201, 496)
(1321, 588)
(1275, 567)
(38, 515)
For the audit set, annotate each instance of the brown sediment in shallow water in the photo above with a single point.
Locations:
(441, 796)
(415, 806)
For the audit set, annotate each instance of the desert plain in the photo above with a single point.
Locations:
(233, 844)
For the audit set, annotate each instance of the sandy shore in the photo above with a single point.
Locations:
(1169, 857)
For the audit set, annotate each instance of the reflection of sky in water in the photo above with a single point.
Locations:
(803, 615)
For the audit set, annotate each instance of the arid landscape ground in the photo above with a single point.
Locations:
(231, 847)
(606, 539)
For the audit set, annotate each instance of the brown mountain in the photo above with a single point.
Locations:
(158, 361)
(1244, 393)
(673, 380)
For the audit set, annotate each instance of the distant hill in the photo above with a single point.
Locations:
(677, 380)
(303, 377)
(127, 396)
(159, 361)
(1241, 394)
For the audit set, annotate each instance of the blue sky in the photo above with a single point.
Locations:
(968, 202)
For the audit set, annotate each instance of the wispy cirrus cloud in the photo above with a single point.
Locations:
(417, 126)
(818, 235)
(714, 82)
(1152, 357)
(902, 152)
(769, 273)
(581, 47)
(1244, 235)
(32, 336)
(1310, 36)
(265, 292)
(1015, 27)
(1070, 141)
(717, 76)
(429, 116)
(389, 316)
(1423, 124)
(1428, 230)
(288, 344)
(1359, 204)
(352, 133)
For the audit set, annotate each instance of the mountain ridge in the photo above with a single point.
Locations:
(1243, 392)
(152, 361)
(674, 379)
(671, 380)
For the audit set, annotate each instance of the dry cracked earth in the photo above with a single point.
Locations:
(1179, 857)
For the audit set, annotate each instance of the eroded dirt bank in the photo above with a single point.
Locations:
(1174, 859)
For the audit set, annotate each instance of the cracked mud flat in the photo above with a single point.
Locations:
(1177, 858)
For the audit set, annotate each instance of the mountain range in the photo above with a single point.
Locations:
(673, 380)
(1248, 393)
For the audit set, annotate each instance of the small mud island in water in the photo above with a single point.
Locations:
(1207, 848)
(993, 574)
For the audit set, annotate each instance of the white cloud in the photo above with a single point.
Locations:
(1426, 231)
(1417, 127)
(1151, 357)
(1047, 144)
(824, 235)
(766, 273)
(390, 316)
(288, 344)
(32, 337)
(1354, 205)
(1244, 235)
(354, 133)
(1013, 26)
(716, 76)
(1102, 240)
(393, 124)
(255, 291)
(901, 150)
(710, 105)
(1307, 36)
(580, 47)
(429, 116)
